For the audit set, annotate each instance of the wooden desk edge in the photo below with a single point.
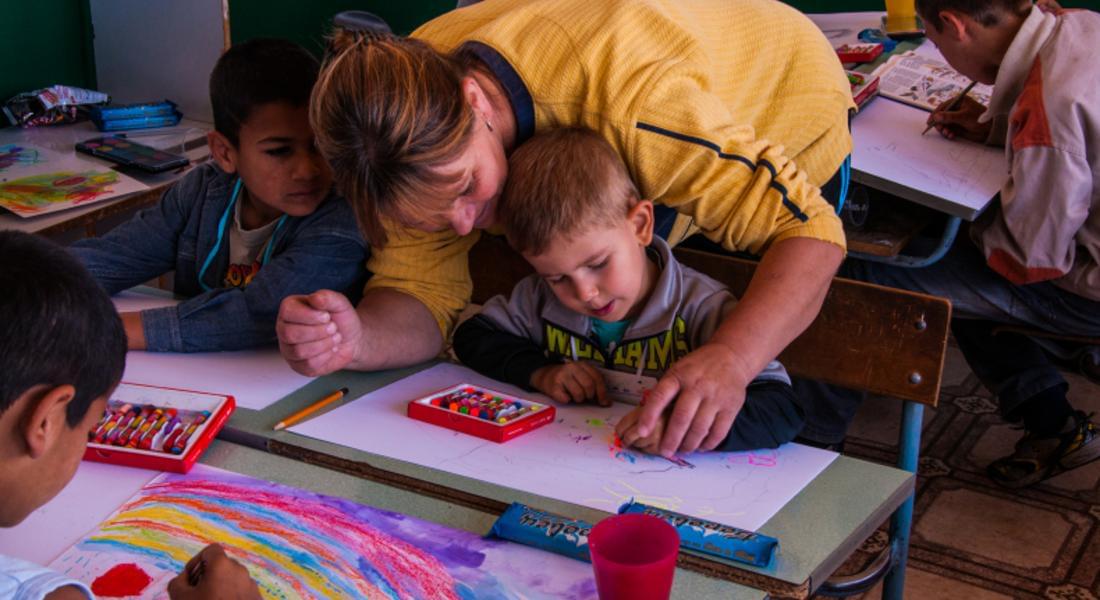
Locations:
(776, 588)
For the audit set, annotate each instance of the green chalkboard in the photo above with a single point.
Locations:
(45, 42)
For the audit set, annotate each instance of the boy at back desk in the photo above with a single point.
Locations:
(1033, 258)
(62, 355)
(608, 298)
(258, 225)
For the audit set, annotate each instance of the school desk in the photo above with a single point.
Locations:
(81, 221)
(956, 178)
(817, 530)
(66, 518)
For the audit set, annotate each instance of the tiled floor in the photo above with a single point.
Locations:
(971, 538)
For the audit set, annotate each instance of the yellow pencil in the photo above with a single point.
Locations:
(954, 104)
(312, 408)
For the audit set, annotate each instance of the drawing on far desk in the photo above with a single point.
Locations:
(35, 181)
(888, 146)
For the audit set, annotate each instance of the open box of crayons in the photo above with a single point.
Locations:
(486, 413)
(157, 428)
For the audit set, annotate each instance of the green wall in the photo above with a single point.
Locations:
(44, 42)
(308, 22)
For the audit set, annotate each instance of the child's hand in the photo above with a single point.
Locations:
(961, 121)
(212, 574)
(318, 333)
(571, 382)
(628, 434)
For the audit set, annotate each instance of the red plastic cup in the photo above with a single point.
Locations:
(634, 557)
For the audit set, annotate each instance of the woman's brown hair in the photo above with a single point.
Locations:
(387, 111)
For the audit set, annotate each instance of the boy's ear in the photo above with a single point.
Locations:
(641, 217)
(46, 417)
(955, 25)
(223, 151)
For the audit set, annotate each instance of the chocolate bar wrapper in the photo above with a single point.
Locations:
(712, 538)
(543, 530)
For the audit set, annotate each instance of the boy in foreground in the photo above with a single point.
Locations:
(608, 297)
(62, 355)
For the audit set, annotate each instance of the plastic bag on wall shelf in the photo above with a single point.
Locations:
(51, 106)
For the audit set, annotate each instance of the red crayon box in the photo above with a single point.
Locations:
(160, 428)
(858, 53)
(482, 412)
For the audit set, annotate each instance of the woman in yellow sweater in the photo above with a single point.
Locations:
(730, 113)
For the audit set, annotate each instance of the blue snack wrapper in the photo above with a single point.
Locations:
(543, 530)
(712, 538)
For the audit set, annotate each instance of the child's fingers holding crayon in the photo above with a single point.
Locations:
(213, 574)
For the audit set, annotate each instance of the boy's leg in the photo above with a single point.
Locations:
(770, 417)
(1027, 384)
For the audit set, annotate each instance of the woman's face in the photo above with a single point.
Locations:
(480, 171)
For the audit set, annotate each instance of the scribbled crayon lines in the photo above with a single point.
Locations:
(14, 154)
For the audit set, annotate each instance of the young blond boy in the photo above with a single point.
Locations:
(62, 355)
(607, 296)
(258, 224)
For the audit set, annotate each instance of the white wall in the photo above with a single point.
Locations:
(150, 50)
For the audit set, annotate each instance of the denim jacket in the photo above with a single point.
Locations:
(323, 250)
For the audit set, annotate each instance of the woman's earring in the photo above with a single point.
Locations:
(488, 124)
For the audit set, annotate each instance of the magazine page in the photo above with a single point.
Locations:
(925, 82)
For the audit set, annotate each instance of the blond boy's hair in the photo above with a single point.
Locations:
(560, 184)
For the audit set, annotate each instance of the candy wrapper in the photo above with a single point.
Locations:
(50, 106)
(547, 531)
(712, 538)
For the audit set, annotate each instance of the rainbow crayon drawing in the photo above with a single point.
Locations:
(297, 544)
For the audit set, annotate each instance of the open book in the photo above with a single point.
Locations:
(925, 82)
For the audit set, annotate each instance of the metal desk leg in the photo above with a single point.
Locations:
(950, 230)
(902, 521)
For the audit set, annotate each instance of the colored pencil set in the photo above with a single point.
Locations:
(147, 427)
(481, 412)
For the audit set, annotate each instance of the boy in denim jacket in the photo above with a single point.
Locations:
(259, 224)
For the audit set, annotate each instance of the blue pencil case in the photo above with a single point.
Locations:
(144, 115)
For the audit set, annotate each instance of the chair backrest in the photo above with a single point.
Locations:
(866, 337)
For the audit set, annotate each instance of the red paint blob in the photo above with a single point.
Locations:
(121, 580)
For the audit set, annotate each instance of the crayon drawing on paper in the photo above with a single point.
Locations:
(297, 543)
(575, 459)
(36, 181)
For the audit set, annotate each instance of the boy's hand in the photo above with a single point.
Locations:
(628, 434)
(318, 333)
(571, 382)
(961, 121)
(218, 576)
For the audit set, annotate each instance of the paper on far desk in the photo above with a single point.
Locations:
(35, 180)
(256, 378)
(955, 176)
(94, 493)
(572, 459)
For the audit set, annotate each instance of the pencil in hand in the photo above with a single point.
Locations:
(952, 106)
(312, 408)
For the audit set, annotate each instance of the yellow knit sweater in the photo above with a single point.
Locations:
(730, 111)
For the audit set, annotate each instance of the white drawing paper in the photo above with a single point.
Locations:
(888, 145)
(573, 459)
(255, 378)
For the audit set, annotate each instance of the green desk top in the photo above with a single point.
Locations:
(272, 467)
(817, 530)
